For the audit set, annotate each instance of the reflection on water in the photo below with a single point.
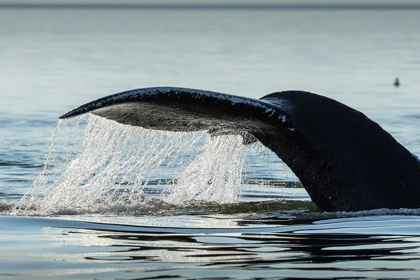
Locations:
(273, 247)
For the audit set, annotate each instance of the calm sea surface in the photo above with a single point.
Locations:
(53, 59)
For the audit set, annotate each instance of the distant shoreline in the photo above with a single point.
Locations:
(145, 6)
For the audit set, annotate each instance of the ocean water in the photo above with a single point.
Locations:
(91, 199)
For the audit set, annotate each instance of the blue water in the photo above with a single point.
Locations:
(53, 59)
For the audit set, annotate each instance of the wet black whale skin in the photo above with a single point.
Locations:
(345, 161)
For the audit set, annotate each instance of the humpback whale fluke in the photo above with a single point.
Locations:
(344, 160)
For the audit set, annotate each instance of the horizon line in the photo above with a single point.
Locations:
(385, 6)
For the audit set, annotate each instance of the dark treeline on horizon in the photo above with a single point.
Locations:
(279, 6)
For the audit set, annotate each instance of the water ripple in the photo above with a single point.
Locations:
(295, 248)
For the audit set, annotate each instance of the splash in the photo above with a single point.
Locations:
(109, 167)
(215, 175)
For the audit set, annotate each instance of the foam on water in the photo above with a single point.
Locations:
(112, 168)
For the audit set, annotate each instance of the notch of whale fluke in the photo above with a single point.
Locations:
(345, 161)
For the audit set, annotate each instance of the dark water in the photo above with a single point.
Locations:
(362, 247)
(56, 58)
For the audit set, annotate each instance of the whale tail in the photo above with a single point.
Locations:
(344, 160)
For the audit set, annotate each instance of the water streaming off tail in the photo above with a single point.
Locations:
(215, 175)
(108, 167)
